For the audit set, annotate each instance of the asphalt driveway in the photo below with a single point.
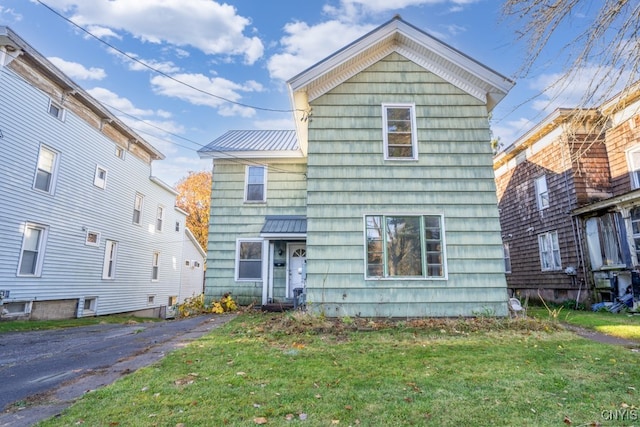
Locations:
(43, 372)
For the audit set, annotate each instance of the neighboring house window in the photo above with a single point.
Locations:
(507, 258)
(46, 170)
(249, 260)
(542, 194)
(635, 226)
(549, 251)
(177, 225)
(56, 110)
(633, 160)
(100, 179)
(110, 256)
(399, 131)
(405, 246)
(32, 252)
(256, 180)
(137, 208)
(92, 238)
(159, 218)
(603, 240)
(155, 267)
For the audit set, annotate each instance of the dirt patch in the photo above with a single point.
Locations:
(602, 338)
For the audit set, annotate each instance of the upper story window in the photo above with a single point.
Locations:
(46, 170)
(399, 132)
(100, 178)
(137, 208)
(155, 267)
(119, 152)
(633, 160)
(32, 253)
(56, 110)
(542, 193)
(110, 257)
(255, 184)
(404, 246)
(160, 218)
(549, 251)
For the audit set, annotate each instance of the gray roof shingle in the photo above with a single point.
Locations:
(253, 140)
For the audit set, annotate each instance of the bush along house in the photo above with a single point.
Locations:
(381, 202)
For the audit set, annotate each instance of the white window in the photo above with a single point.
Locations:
(633, 160)
(603, 240)
(399, 132)
(120, 152)
(549, 251)
(249, 260)
(151, 299)
(507, 257)
(635, 227)
(92, 238)
(137, 208)
(16, 308)
(404, 246)
(196, 264)
(159, 218)
(187, 263)
(542, 194)
(89, 306)
(255, 184)
(177, 225)
(100, 179)
(32, 252)
(46, 169)
(155, 267)
(110, 257)
(56, 110)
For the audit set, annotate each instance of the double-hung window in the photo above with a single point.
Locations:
(633, 161)
(160, 218)
(100, 178)
(110, 257)
(399, 132)
(507, 257)
(32, 253)
(404, 246)
(137, 208)
(249, 260)
(46, 170)
(549, 251)
(256, 180)
(542, 193)
(155, 267)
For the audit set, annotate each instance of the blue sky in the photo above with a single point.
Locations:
(244, 51)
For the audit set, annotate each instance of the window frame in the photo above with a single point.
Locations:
(247, 176)
(238, 261)
(60, 112)
(160, 217)
(547, 238)
(385, 130)
(634, 169)
(424, 253)
(41, 244)
(110, 257)
(120, 152)
(53, 173)
(542, 192)
(506, 253)
(87, 242)
(155, 266)
(136, 197)
(97, 180)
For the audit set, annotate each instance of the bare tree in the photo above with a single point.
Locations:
(603, 43)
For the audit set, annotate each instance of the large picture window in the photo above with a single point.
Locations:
(549, 251)
(399, 132)
(32, 253)
(404, 246)
(249, 260)
(256, 184)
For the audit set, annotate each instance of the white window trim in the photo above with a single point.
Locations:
(27, 308)
(540, 191)
(86, 238)
(264, 183)
(548, 236)
(110, 244)
(634, 170)
(93, 306)
(151, 299)
(237, 260)
(62, 112)
(445, 270)
(160, 218)
(506, 249)
(42, 242)
(120, 152)
(135, 197)
(155, 267)
(54, 171)
(100, 182)
(414, 132)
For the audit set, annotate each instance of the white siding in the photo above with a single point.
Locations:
(192, 280)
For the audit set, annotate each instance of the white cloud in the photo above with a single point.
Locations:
(213, 92)
(172, 170)
(352, 10)
(9, 15)
(305, 45)
(508, 132)
(140, 64)
(275, 124)
(212, 27)
(78, 71)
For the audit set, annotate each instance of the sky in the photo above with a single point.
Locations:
(183, 72)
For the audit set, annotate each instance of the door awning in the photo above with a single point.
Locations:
(285, 226)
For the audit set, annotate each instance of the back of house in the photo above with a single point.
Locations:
(382, 202)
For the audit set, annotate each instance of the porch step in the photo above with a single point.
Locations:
(278, 306)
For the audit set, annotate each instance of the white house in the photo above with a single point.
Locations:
(193, 262)
(85, 228)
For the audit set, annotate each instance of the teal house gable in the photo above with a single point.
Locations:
(381, 202)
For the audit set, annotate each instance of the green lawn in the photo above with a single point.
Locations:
(37, 325)
(291, 369)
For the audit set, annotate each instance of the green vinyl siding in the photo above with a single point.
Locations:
(348, 178)
(231, 218)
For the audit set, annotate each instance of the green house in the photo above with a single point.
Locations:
(381, 202)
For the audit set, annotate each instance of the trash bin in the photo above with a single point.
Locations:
(297, 292)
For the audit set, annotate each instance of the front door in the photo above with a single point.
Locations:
(297, 266)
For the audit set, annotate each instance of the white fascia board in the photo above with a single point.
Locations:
(164, 185)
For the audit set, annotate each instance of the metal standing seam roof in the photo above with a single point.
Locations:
(253, 140)
(284, 224)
